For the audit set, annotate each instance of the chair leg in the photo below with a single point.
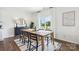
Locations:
(47, 41)
(24, 41)
(20, 38)
(36, 45)
(29, 45)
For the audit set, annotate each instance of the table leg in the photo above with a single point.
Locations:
(42, 42)
(52, 37)
(29, 42)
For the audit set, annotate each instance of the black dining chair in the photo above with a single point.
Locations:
(34, 39)
(24, 37)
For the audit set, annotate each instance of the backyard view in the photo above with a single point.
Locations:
(45, 23)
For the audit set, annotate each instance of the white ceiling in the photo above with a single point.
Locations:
(26, 9)
(33, 9)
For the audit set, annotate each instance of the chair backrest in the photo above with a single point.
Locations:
(24, 33)
(33, 36)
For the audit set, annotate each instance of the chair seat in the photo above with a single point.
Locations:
(33, 44)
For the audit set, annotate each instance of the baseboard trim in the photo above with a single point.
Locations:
(9, 37)
(63, 41)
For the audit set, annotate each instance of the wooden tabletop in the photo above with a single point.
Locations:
(38, 32)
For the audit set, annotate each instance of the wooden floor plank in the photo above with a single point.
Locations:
(9, 45)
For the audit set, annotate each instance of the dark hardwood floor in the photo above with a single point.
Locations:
(68, 46)
(2, 46)
(9, 45)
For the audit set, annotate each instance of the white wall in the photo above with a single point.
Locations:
(68, 33)
(7, 16)
(46, 12)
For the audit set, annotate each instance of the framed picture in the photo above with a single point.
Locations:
(69, 18)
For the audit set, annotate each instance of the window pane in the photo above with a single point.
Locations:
(45, 22)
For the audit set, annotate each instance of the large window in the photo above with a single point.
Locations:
(45, 22)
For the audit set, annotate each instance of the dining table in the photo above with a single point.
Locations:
(41, 33)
